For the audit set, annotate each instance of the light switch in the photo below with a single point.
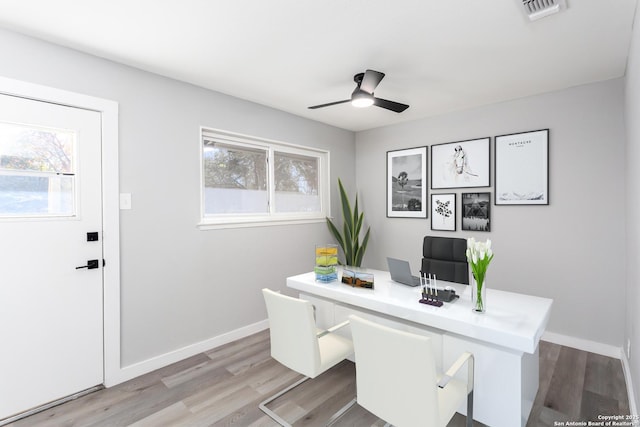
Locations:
(125, 201)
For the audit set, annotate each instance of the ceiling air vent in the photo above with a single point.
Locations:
(536, 9)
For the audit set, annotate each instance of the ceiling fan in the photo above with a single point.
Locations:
(362, 96)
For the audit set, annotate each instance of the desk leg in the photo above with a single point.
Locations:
(530, 382)
(504, 381)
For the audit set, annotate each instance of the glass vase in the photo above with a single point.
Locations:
(479, 295)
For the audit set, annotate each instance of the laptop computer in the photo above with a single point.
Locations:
(401, 272)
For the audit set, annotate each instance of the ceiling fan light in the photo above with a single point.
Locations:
(362, 100)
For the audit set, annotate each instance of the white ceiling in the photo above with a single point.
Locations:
(438, 55)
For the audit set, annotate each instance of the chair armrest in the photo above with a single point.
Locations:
(466, 357)
(332, 329)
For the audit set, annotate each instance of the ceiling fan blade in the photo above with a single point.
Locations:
(329, 104)
(390, 105)
(371, 80)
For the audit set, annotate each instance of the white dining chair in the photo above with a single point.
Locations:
(396, 377)
(300, 346)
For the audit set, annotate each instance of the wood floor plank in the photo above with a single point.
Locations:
(329, 395)
(604, 376)
(152, 399)
(172, 415)
(221, 407)
(317, 391)
(288, 410)
(251, 361)
(548, 418)
(548, 354)
(263, 421)
(247, 415)
(272, 378)
(565, 390)
(594, 404)
(240, 354)
(360, 417)
(203, 397)
(178, 367)
(195, 373)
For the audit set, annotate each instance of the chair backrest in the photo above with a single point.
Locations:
(293, 333)
(446, 258)
(395, 374)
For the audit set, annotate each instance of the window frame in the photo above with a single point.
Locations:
(239, 220)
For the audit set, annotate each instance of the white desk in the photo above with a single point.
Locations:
(504, 340)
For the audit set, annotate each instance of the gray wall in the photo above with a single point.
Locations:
(570, 250)
(632, 122)
(181, 285)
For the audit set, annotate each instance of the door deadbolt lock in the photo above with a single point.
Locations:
(91, 264)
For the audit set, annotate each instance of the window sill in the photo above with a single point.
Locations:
(218, 225)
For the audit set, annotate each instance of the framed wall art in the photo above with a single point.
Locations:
(460, 164)
(476, 211)
(522, 168)
(443, 212)
(407, 183)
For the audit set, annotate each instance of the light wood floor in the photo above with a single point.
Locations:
(223, 387)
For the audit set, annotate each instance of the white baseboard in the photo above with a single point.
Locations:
(584, 345)
(132, 371)
(627, 377)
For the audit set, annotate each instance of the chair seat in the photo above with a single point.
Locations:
(450, 398)
(396, 377)
(333, 347)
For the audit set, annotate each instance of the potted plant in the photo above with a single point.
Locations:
(349, 239)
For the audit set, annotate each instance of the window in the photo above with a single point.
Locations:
(37, 176)
(248, 181)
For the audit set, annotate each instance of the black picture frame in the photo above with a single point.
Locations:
(407, 183)
(461, 164)
(522, 168)
(475, 212)
(443, 211)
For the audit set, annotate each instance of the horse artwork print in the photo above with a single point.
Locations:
(460, 164)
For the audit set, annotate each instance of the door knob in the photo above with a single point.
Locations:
(91, 264)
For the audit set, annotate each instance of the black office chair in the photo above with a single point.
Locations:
(446, 258)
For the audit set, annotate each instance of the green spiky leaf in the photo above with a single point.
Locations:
(349, 240)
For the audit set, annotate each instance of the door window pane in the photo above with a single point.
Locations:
(36, 171)
(296, 183)
(235, 179)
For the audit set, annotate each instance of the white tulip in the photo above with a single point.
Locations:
(474, 258)
(488, 243)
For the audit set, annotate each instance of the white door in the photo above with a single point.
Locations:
(51, 336)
